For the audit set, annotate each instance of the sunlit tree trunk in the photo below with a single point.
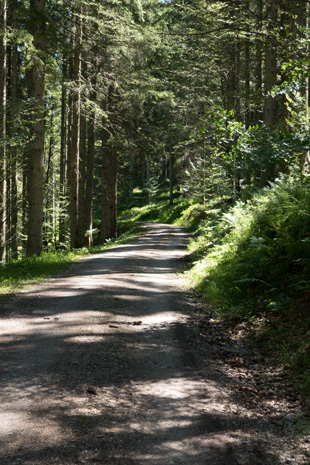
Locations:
(36, 149)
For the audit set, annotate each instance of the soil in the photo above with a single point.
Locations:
(112, 362)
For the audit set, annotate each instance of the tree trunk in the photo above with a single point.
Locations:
(62, 164)
(36, 149)
(247, 76)
(270, 71)
(171, 178)
(3, 161)
(81, 193)
(108, 180)
(90, 169)
(82, 161)
(306, 160)
(258, 115)
(13, 89)
(109, 193)
(75, 137)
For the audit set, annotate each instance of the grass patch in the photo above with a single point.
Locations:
(16, 274)
(158, 210)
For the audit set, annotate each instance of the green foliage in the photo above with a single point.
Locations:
(258, 252)
(252, 155)
(157, 211)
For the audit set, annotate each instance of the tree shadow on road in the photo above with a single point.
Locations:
(115, 372)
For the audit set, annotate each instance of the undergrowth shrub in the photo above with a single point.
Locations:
(258, 253)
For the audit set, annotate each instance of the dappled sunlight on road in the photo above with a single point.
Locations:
(101, 366)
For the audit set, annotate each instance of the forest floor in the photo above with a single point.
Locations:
(111, 362)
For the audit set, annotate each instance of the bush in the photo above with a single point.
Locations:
(259, 251)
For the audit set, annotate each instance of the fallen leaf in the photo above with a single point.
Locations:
(137, 323)
(46, 318)
(113, 326)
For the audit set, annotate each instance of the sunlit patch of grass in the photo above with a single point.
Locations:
(17, 273)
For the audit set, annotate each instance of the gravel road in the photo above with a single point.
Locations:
(103, 365)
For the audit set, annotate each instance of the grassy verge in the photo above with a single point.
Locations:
(16, 274)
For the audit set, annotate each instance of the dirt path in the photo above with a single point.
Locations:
(104, 365)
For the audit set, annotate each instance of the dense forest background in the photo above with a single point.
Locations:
(101, 98)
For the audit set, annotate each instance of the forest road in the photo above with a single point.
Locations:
(102, 365)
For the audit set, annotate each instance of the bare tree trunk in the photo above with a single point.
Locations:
(3, 161)
(48, 232)
(62, 164)
(147, 179)
(247, 76)
(270, 71)
(75, 137)
(13, 232)
(81, 194)
(108, 180)
(306, 161)
(258, 66)
(82, 162)
(90, 167)
(131, 177)
(171, 177)
(36, 149)
(109, 193)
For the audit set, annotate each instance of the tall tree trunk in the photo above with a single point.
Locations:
(247, 74)
(75, 136)
(171, 177)
(3, 161)
(258, 71)
(90, 168)
(306, 160)
(82, 166)
(270, 71)
(48, 232)
(62, 163)
(13, 88)
(109, 193)
(108, 180)
(36, 150)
